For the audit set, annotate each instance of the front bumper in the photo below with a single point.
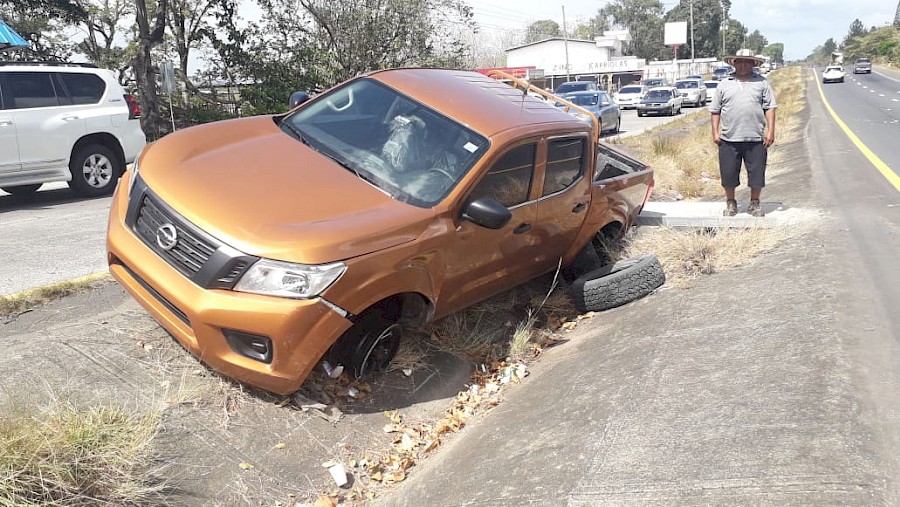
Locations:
(300, 331)
(655, 108)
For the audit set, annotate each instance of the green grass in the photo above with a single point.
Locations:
(64, 456)
(24, 301)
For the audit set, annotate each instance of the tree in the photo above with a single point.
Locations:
(707, 26)
(644, 21)
(102, 25)
(188, 22)
(897, 17)
(857, 30)
(148, 37)
(593, 28)
(735, 34)
(541, 30)
(356, 36)
(756, 42)
(775, 51)
(42, 24)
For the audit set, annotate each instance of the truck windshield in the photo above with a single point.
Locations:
(395, 143)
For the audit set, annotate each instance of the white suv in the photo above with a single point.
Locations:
(65, 122)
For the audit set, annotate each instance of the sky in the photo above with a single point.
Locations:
(801, 25)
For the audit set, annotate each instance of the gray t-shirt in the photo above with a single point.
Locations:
(742, 106)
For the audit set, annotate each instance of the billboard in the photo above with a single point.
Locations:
(675, 34)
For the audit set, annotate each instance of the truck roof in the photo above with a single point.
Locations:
(484, 104)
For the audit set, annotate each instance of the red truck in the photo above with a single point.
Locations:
(395, 198)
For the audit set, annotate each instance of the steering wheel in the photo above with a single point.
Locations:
(345, 106)
(442, 173)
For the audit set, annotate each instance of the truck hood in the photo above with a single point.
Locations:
(257, 189)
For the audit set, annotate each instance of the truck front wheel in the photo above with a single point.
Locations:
(369, 346)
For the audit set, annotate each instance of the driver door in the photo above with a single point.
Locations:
(481, 262)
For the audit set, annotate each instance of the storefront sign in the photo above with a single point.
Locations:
(626, 65)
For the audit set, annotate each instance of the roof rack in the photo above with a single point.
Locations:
(53, 64)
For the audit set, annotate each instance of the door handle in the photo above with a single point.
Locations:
(69, 118)
(4, 123)
(579, 207)
(523, 228)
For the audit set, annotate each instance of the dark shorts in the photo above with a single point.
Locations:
(752, 154)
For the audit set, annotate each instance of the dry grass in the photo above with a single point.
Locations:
(688, 255)
(24, 301)
(66, 456)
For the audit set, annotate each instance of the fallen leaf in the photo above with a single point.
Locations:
(431, 445)
(376, 477)
(245, 466)
(325, 501)
(283, 402)
(280, 445)
(392, 428)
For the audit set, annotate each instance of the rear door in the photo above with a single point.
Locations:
(565, 197)
(9, 150)
(46, 125)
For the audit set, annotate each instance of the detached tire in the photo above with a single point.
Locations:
(617, 284)
(95, 170)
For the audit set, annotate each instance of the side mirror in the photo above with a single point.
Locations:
(297, 98)
(487, 212)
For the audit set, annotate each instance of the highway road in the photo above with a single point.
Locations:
(869, 106)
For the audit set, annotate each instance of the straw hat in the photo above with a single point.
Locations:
(744, 54)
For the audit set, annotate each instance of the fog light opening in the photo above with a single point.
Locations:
(256, 347)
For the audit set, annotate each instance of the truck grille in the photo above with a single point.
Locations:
(190, 251)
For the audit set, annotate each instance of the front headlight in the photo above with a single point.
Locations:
(285, 279)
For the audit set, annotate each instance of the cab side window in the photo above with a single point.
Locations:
(565, 164)
(30, 89)
(509, 179)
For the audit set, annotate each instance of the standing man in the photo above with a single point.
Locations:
(743, 126)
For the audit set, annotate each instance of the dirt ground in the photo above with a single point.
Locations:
(221, 443)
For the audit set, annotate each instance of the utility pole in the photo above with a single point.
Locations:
(566, 42)
(692, 36)
(724, 28)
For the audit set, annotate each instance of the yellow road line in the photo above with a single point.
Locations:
(883, 168)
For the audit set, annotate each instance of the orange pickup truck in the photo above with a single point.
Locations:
(392, 199)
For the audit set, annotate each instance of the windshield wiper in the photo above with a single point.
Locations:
(295, 131)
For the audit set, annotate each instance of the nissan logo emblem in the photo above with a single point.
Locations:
(167, 236)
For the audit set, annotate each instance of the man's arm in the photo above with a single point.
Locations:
(769, 138)
(714, 119)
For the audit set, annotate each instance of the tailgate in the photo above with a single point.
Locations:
(623, 181)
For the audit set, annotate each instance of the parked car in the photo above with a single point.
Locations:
(576, 86)
(711, 86)
(601, 106)
(721, 73)
(654, 82)
(380, 204)
(660, 100)
(833, 74)
(862, 65)
(692, 91)
(65, 122)
(629, 95)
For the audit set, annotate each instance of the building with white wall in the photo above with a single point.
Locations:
(599, 60)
